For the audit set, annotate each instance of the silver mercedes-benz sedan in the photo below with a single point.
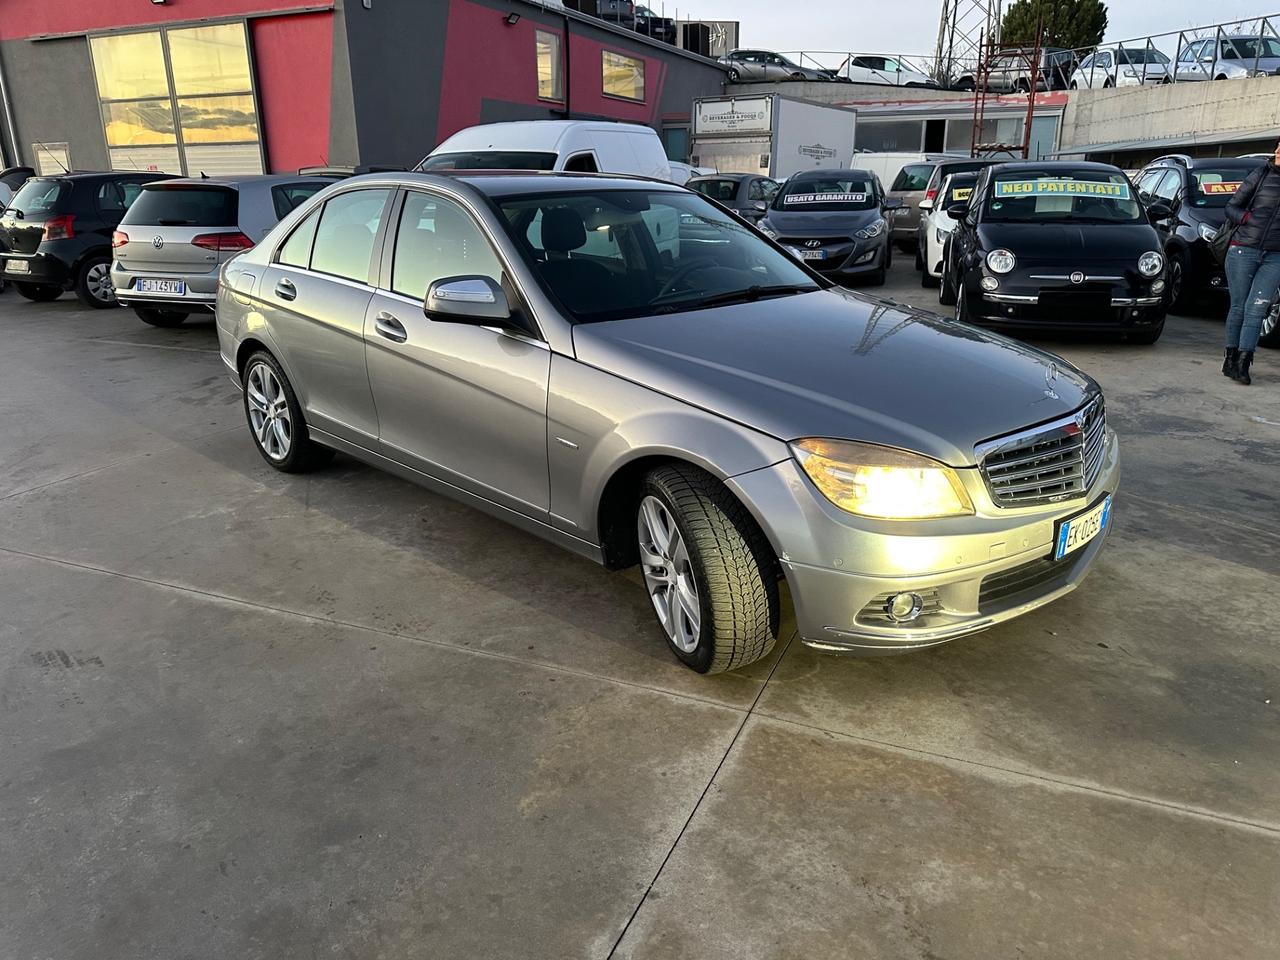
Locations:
(626, 369)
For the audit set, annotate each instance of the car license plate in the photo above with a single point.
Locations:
(147, 285)
(18, 266)
(1075, 532)
(812, 254)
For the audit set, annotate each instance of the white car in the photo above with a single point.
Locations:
(1122, 67)
(938, 225)
(874, 68)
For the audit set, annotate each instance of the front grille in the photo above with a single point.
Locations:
(1056, 461)
(802, 242)
(1029, 577)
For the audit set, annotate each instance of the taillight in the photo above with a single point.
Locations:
(223, 242)
(118, 238)
(930, 194)
(59, 228)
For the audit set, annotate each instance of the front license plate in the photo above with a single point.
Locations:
(1080, 529)
(813, 254)
(147, 285)
(18, 266)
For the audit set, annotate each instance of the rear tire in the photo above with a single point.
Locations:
(37, 292)
(160, 318)
(722, 555)
(269, 398)
(93, 284)
(1178, 298)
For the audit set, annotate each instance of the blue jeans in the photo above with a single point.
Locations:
(1253, 276)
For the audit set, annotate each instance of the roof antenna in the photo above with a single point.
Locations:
(53, 155)
(203, 175)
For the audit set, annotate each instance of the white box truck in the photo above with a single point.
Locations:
(771, 135)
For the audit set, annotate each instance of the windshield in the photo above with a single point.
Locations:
(1141, 56)
(1249, 48)
(1076, 196)
(617, 254)
(914, 176)
(958, 189)
(723, 190)
(38, 198)
(490, 160)
(1212, 188)
(832, 192)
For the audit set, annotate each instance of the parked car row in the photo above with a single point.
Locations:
(637, 17)
(759, 66)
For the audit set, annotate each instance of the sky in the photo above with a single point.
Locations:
(912, 26)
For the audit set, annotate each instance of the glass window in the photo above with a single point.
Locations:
(1169, 186)
(623, 76)
(914, 176)
(212, 59)
(111, 199)
(51, 158)
(823, 192)
(37, 198)
(722, 190)
(287, 197)
(186, 206)
(1061, 196)
(160, 115)
(550, 75)
(296, 251)
(888, 136)
(436, 240)
(1214, 187)
(756, 190)
(344, 238)
(490, 160)
(582, 163)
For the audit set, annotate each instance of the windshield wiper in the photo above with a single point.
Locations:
(749, 295)
(174, 223)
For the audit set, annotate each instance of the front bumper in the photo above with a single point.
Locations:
(974, 572)
(201, 289)
(845, 259)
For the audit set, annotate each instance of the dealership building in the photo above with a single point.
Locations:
(220, 86)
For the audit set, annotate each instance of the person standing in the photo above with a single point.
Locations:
(1252, 264)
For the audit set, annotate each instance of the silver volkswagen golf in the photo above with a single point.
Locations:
(622, 367)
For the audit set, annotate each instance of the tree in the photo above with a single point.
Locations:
(1067, 23)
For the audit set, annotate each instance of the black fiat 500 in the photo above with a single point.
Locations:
(1057, 246)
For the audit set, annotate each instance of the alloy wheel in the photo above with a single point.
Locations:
(668, 574)
(269, 412)
(97, 281)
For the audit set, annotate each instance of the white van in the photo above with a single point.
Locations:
(579, 146)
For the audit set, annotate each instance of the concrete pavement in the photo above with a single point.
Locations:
(251, 715)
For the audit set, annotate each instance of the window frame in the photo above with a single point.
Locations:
(173, 98)
(605, 53)
(557, 63)
(302, 221)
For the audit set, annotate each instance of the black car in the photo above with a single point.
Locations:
(639, 18)
(746, 194)
(55, 234)
(834, 220)
(1057, 246)
(1197, 191)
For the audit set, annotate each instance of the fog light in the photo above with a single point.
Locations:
(1157, 287)
(904, 607)
(990, 283)
(865, 258)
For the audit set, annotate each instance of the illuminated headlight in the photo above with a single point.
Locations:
(990, 283)
(871, 231)
(1157, 286)
(1150, 263)
(1001, 261)
(1207, 232)
(768, 231)
(882, 482)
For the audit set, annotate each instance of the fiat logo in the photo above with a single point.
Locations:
(157, 242)
(1077, 277)
(813, 244)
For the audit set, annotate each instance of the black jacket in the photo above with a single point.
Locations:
(1259, 197)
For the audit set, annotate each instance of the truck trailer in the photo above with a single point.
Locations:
(771, 135)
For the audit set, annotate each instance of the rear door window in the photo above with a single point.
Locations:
(344, 238)
(185, 206)
(287, 197)
(914, 176)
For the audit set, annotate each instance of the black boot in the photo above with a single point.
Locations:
(1242, 368)
(1229, 364)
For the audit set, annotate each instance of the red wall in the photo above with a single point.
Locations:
(29, 18)
(507, 71)
(294, 60)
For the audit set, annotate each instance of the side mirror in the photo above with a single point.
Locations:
(958, 211)
(760, 205)
(892, 203)
(926, 204)
(477, 300)
(1159, 211)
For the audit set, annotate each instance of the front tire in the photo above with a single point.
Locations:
(38, 292)
(93, 284)
(160, 318)
(275, 418)
(963, 314)
(734, 75)
(946, 287)
(708, 569)
(1178, 296)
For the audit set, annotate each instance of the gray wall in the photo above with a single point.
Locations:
(55, 99)
(844, 93)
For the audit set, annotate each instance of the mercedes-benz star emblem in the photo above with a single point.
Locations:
(1077, 277)
(1050, 375)
(813, 244)
(157, 242)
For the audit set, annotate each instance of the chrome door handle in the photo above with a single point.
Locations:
(285, 290)
(391, 328)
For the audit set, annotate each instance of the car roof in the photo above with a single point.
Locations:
(506, 183)
(101, 175)
(1244, 163)
(723, 176)
(831, 172)
(526, 135)
(246, 180)
(1051, 165)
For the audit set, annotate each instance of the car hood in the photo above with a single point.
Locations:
(1056, 242)
(819, 223)
(837, 364)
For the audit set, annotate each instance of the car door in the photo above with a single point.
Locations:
(1189, 66)
(750, 65)
(776, 68)
(314, 297)
(862, 70)
(462, 403)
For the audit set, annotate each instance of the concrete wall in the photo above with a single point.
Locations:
(844, 93)
(1200, 112)
(55, 99)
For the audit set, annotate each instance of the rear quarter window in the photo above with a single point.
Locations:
(39, 198)
(185, 207)
(287, 197)
(914, 176)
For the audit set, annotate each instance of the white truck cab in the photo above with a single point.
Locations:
(581, 146)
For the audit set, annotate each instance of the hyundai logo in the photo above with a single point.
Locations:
(813, 244)
(1077, 277)
(157, 242)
